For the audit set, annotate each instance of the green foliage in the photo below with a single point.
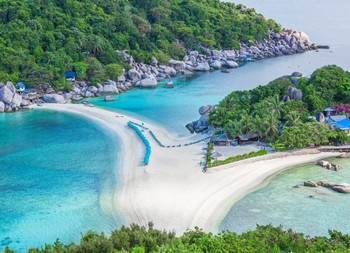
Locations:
(113, 71)
(303, 135)
(338, 137)
(42, 39)
(138, 239)
(262, 111)
(208, 156)
(239, 157)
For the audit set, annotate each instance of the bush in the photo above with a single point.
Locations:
(240, 157)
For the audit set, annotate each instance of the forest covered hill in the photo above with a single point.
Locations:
(41, 39)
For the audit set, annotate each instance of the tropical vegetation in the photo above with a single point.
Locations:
(140, 239)
(239, 157)
(41, 39)
(287, 123)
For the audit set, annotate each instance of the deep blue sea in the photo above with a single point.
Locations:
(51, 186)
(57, 173)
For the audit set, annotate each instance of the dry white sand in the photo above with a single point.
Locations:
(172, 191)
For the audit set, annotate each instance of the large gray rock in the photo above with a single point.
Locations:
(170, 71)
(121, 79)
(134, 75)
(111, 82)
(216, 54)
(6, 95)
(204, 109)
(297, 74)
(202, 66)
(320, 117)
(17, 100)
(310, 184)
(177, 65)
(231, 64)
(11, 87)
(54, 98)
(76, 90)
(147, 83)
(109, 89)
(215, 64)
(342, 188)
(92, 89)
(2, 106)
(230, 55)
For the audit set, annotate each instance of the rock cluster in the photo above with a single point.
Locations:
(202, 124)
(342, 188)
(147, 75)
(329, 166)
(10, 100)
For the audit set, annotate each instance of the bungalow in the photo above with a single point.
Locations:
(329, 112)
(343, 125)
(70, 76)
(245, 138)
(335, 118)
(221, 140)
(21, 86)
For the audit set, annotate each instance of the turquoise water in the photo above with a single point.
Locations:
(51, 186)
(56, 174)
(280, 203)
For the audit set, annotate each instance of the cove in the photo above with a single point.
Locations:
(57, 176)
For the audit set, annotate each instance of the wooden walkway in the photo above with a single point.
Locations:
(345, 149)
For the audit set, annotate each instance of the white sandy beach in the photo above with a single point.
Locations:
(172, 191)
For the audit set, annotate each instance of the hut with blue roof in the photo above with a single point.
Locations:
(70, 76)
(21, 86)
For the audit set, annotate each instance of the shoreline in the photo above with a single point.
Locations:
(172, 191)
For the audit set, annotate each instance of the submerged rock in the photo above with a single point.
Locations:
(109, 98)
(310, 184)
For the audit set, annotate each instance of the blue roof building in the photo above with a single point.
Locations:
(21, 86)
(70, 76)
(343, 125)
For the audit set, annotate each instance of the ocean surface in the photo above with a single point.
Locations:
(51, 186)
(326, 22)
(311, 211)
(57, 175)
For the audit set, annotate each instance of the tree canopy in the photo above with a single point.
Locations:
(138, 239)
(262, 111)
(40, 39)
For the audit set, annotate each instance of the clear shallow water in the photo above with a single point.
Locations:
(43, 198)
(326, 22)
(56, 178)
(280, 203)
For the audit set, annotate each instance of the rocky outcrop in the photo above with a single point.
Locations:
(54, 98)
(147, 83)
(202, 124)
(202, 66)
(2, 106)
(310, 184)
(295, 94)
(329, 166)
(147, 75)
(10, 100)
(341, 188)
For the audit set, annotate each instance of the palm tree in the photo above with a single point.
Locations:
(275, 105)
(233, 128)
(247, 123)
(293, 118)
(258, 126)
(271, 126)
